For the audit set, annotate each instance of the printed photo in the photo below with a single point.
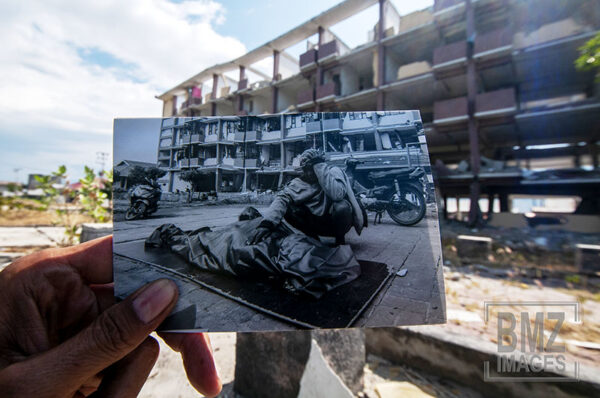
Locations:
(280, 221)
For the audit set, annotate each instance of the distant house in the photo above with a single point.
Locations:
(33, 188)
(122, 170)
(9, 188)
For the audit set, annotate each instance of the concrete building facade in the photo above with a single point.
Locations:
(493, 79)
(240, 153)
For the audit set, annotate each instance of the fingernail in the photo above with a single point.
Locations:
(154, 299)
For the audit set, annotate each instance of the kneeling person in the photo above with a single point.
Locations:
(319, 203)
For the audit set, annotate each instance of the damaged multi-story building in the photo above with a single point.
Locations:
(241, 153)
(494, 80)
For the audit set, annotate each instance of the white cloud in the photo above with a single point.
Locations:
(47, 84)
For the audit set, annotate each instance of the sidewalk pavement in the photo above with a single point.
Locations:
(30, 236)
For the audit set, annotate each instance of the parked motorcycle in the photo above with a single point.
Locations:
(398, 191)
(143, 201)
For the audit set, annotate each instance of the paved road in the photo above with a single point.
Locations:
(416, 298)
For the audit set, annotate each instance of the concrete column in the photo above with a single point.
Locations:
(244, 183)
(594, 153)
(213, 95)
(504, 203)
(319, 76)
(275, 90)
(491, 201)
(218, 180)
(475, 188)
(380, 57)
(300, 364)
(445, 207)
(240, 98)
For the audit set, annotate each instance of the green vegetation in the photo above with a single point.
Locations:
(194, 177)
(70, 204)
(589, 56)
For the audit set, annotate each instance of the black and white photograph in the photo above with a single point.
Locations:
(280, 221)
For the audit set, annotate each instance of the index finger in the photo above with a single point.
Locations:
(197, 359)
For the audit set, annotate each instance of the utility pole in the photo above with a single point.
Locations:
(101, 158)
(16, 171)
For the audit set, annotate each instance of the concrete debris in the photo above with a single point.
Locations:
(463, 316)
(319, 379)
(402, 272)
(404, 389)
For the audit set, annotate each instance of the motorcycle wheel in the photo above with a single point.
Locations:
(409, 197)
(136, 211)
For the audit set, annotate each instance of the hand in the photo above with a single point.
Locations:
(62, 335)
(260, 234)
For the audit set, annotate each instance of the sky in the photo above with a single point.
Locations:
(68, 68)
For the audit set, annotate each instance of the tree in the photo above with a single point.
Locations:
(589, 56)
(92, 195)
(138, 175)
(194, 177)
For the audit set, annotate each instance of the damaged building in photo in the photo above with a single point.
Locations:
(506, 114)
(260, 153)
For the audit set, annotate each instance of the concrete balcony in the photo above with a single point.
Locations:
(184, 163)
(196, 138)
(248, 162)
(229, 137)
(271, 135)
(306, 97)
(239, 136)
(211, 138)
(252, 135)
(493, 45)
(228, 161)
(357, 124)
(448, 9)
(395, 120)
(450, 58)
(496, 103)
(449, 112)
(210, 162)
(313, 126)
(328, 51)
(170, 122)
(195, 162)
(192, 102)
(332, 124)
(308, 60)
(184, 139)
(296, 132)
(327, 91)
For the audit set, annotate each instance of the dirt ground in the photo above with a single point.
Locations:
(467, 287)
(28, 217)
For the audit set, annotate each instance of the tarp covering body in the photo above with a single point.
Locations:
(303, 264)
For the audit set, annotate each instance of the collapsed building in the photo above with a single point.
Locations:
(494, 81)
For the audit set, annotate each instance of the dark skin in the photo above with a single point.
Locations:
(63, 335)
(308, 175)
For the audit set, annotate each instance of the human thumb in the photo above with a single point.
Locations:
(115, 333)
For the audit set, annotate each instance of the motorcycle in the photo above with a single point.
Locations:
(398, 191)
(143, 201)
